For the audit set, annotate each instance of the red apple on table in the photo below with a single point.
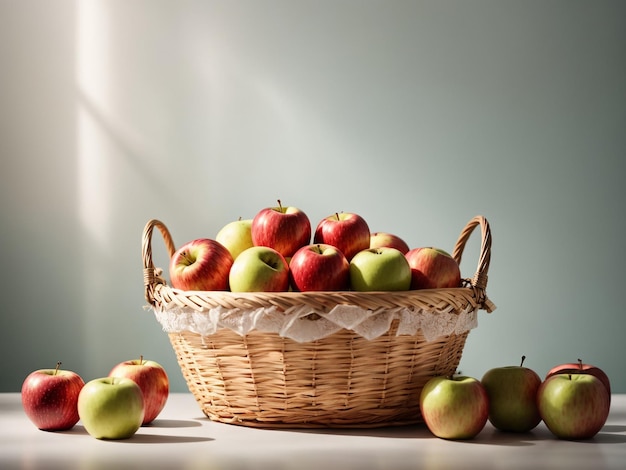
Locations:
(50, 397)
(433, 268)
(259, 269)
(319, 267)
(347, 231)
(202, 264)
(283, 228)
(581, 368)
(380, 269)
(152, 380)
(573, 406)
(512, 392)
(454, 407)
(385, 239)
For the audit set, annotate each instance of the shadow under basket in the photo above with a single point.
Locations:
(263, 379)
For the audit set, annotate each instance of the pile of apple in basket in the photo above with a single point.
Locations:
(277, 251)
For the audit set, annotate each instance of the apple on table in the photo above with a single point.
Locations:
(573, 406)
(259, 269)
(283, 228)
(380, 269)
(512, 392)
(111, 407)
(454, 407)
(346, 230)
(319, 267)
(236, 236)
(433, 268)
(152, 380)
(50, 398)
(202, 264)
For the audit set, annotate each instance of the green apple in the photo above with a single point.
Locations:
(236, 236)
(259, 269)
(512, 392)
(454, 407)
(380, 269)
(111, 407)
(573, 406)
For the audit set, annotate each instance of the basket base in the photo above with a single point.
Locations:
(341, 381)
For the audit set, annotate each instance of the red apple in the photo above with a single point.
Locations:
(347, 231)
(384, 239)
(285, 229)
(573, 406)
(201, 264)
(319, 267)
(454, 407)
(50, 398)
(152, 380)
(433, 268)
(580, 368)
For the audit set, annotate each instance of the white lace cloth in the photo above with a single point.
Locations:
(298, 325)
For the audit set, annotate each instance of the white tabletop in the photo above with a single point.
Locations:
(183, 438)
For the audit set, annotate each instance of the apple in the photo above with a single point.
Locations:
(236, 236)
(50, 397)
(319, 267)
(285, 229)
(380, 269)
(381, 239)
(573, 406)
(259, 269)
(111, 407)
(512, 392)
(347, 231)
(454, 407)
(152, 380)
(581, 368)
(432, 268)
(201, 264)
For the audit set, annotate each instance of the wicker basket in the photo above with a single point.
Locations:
(263, 379)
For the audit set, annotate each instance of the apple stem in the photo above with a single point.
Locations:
(280, 206)
(523, 359)
(140, 359)
(186, 256)
(580, 364)
(57, 367)
(337, 215)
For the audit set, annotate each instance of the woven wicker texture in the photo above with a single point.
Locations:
(343, 380)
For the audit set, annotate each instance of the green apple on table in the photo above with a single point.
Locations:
(259, 269)
(454, 407)
(573, 406)
(380, 269)
(111, 407)
(512, 392)
(236, 236)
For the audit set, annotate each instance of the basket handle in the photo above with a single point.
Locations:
(151, 275)
(479, 281)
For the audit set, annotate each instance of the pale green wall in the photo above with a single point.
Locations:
(416, 114)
